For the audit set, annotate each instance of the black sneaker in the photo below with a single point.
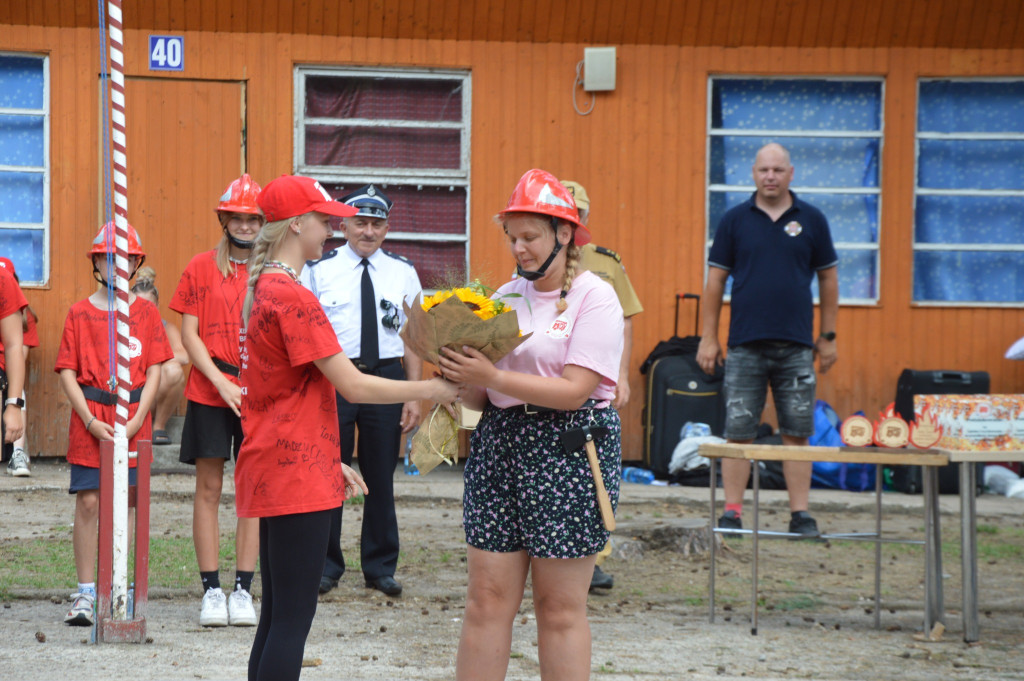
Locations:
(803, 524)
(731, 520)
(601, 579)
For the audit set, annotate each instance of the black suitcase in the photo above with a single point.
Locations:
(678, 391)
(907, 479)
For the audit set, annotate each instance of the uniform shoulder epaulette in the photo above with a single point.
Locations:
(609, 252)
(396, 256)
(326, 256)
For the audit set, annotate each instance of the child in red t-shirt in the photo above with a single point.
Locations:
(83, 362)
(209, 298)
(289, 472)
(12, 361)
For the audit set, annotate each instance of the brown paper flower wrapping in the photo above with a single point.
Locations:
(451, 324)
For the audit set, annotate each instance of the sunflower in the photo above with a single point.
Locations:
(482, 306)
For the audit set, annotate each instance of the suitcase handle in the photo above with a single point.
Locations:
(951, 377)
(696, 317)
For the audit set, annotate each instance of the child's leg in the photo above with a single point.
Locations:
(247, 544)
(205, 525)
(85, 538)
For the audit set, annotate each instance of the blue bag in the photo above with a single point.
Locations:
(855, 477)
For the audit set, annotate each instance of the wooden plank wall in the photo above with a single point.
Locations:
(641, 155)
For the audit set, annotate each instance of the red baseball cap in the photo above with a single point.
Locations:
(292, 195)
(7, 264)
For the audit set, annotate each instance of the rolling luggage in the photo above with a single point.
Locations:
(907, 479)
(678, 391)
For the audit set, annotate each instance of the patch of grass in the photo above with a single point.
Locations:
(987, 529)
(445, 556)
(800, 602)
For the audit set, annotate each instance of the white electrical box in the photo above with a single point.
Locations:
(598, 68)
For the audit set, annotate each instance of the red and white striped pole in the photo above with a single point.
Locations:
(119, 591)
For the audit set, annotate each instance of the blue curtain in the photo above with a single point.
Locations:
(959, 107)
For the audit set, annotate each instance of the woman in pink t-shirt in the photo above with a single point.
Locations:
(529, 505)
(289, 472)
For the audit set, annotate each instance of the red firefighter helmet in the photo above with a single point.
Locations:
(99, 244)
(538, 191)
(240, 197)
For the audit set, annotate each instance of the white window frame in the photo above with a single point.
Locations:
(44, 169)
(420, 177)
(800, 190)
(922, 191)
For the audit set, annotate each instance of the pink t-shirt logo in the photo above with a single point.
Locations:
(560, 328)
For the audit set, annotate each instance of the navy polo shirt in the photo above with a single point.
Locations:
(772, 264)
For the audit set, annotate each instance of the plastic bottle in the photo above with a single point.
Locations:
(691, 429)
(640, 476)
(410, 467)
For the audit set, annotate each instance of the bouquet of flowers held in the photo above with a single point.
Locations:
(453, 318)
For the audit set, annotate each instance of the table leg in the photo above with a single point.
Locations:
(933, 549)
(753, 586)
(969, 549)
(713, 465)
(878, 546)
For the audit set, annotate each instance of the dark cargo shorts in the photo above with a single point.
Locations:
(749, 370)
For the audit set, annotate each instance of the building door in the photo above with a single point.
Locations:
(186, 143)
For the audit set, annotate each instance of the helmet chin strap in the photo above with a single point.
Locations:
(534, 275)
(538, 273)
(238, 243)
(100, 280)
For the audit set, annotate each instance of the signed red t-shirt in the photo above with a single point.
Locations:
(290, 461)
(216, 300)
(31, 338)
(84, 348)
(11, 301)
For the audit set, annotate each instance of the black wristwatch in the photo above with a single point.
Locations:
(829, 335)
(16, 401)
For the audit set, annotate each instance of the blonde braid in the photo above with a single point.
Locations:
(266, 242)
(572, 259)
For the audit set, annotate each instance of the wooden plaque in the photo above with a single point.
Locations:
(892, 431)
(857, 431)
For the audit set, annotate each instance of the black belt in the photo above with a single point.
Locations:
(537, 409)
(225, 368)
(380, 364)
(110, 399)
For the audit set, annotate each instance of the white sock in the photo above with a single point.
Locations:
(87, 588)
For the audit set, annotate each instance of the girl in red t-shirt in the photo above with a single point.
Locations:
(12, 361)
(289, 473)
(209, 298)
(83, 362)
(18, 466)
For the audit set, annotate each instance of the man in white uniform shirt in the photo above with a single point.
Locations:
(362, 287)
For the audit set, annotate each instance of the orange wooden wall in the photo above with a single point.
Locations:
(641, 155)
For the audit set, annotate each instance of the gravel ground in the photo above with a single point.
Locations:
(816, 620)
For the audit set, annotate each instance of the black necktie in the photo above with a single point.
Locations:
(369, 352)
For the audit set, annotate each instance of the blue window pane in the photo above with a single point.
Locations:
(981, 276)
(25, 248)
(21, 82)
(971, 106)
(769, 104)
(21, 197)
(970, 164)
(718, 204)
(969, 220)
(817, 162)
(851, 217)
(21, 140)
(858, 274)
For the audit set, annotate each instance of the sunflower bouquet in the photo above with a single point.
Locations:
(452, 318)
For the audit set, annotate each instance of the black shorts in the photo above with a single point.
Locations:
(209, 433)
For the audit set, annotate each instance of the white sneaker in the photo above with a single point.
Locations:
(240, 610)
(81, 612)
(215, 609)
(18, 465)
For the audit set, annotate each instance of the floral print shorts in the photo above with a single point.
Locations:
(525, 492)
